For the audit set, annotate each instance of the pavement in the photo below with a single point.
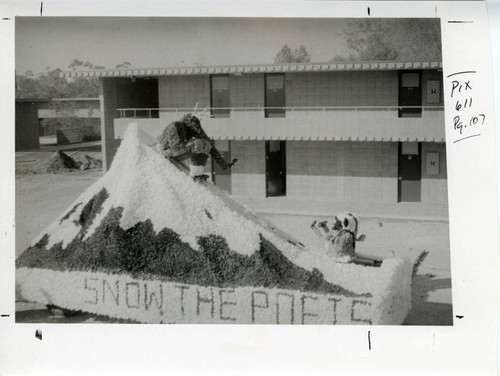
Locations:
(319, 208)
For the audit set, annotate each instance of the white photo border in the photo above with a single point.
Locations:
(468, 347)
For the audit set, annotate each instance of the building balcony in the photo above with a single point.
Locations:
(362, 123)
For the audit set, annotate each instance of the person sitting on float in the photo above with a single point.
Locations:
(185, 139)
(340, 234)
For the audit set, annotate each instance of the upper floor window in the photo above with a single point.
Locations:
(219, 96)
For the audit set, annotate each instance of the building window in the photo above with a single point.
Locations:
(219, 96)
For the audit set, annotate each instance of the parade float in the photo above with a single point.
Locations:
(146, 243)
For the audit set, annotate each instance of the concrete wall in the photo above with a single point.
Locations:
(362, 88)
(342, 171)
(27, 133)
(183, 92)
(248, 176)
(81, 108)
(362, 172)
(314, 89)
(347, 88)
(186, 91)
(335, 125)
(247, 90)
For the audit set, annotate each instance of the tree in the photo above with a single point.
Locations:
(124, 65)
(43, 86)
(392, 39)
(27, 86)
(80, 65)
(52, 84)
(285, 55)
(301, 55)
(83, 87)
(76, 64)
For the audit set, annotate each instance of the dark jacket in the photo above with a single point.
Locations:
(176, 135)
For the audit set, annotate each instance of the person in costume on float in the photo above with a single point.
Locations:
(340, 234)
(185, 139)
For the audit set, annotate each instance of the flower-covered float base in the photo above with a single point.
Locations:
(146, 243)
(153, 301)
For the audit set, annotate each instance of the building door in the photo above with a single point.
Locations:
(275, 168)
(221, 177)
(409, 172)
(275, 95)
(410, 93)
(219, 99)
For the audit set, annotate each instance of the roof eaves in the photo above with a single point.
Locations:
(255, 68)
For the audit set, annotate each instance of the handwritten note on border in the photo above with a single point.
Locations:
(468, 121)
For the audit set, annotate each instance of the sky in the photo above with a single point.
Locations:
(54, 42)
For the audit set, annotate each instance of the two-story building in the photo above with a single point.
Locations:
(367, 135)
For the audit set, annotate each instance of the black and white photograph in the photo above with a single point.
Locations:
(250, 187)
(220, 171)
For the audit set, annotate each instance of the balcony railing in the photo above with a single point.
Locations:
(366, 123)
(148, 113)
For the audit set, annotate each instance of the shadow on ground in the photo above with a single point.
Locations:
(425, 312)
(46, 316)
(52, 317)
